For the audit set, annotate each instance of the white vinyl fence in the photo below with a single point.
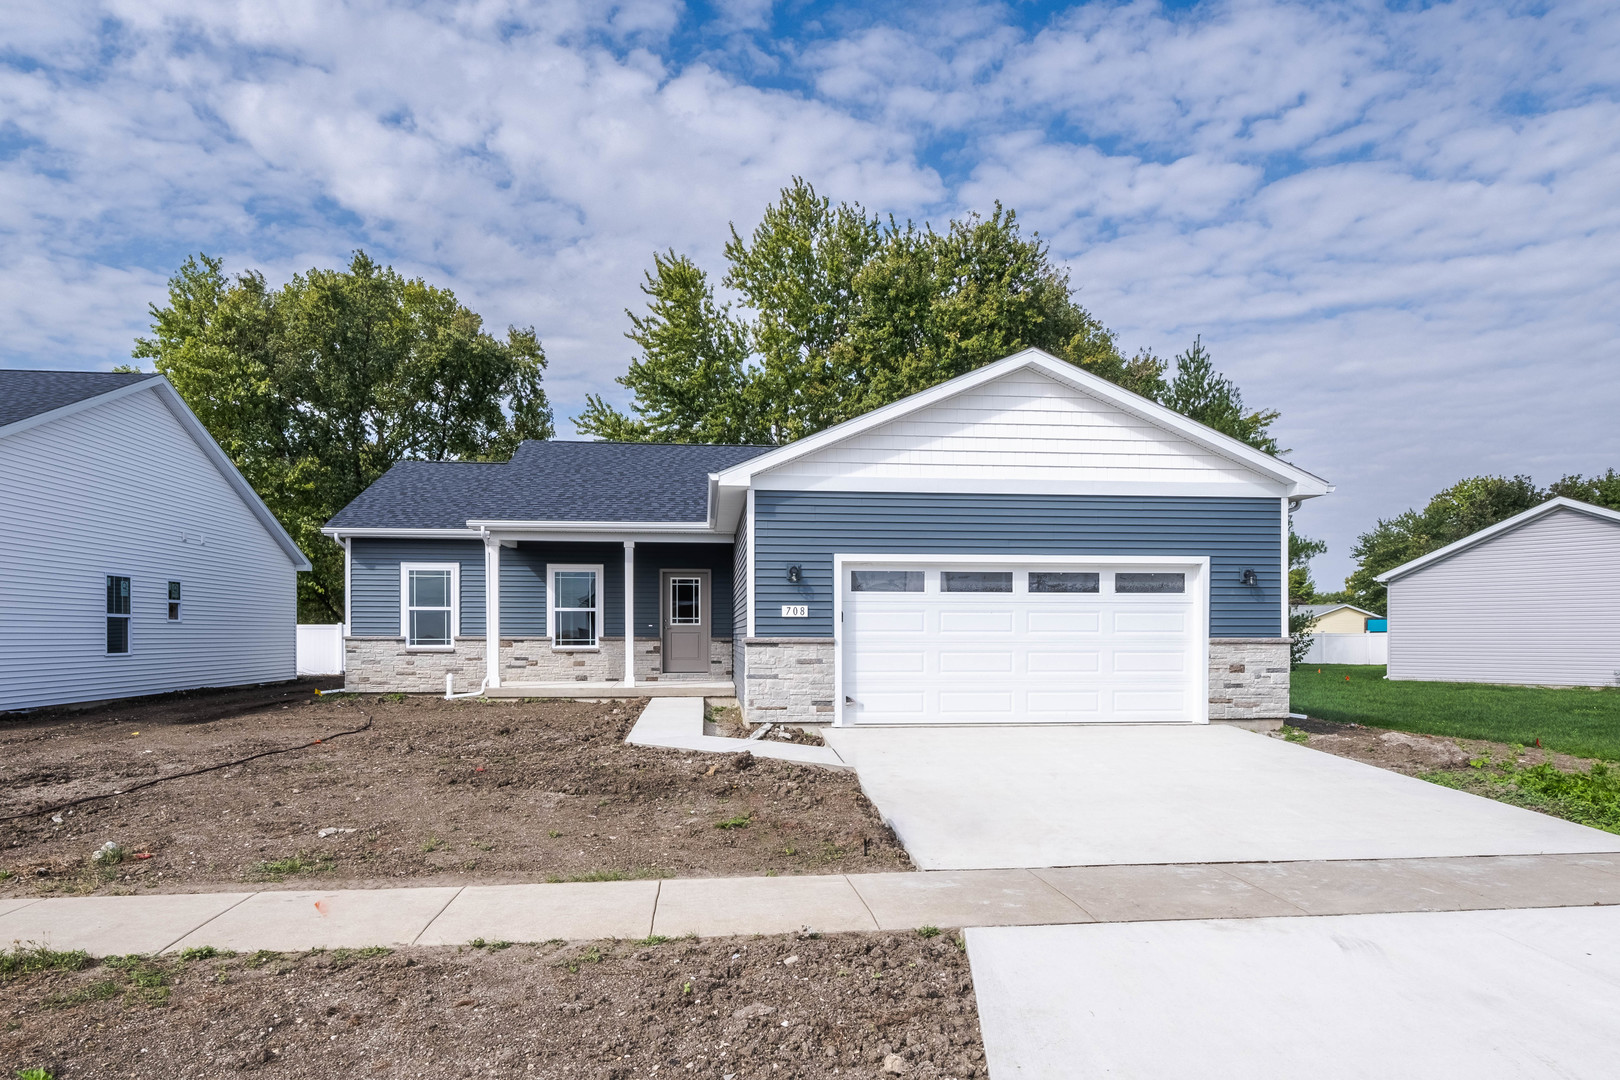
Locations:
(320, 649)
(1348, 649)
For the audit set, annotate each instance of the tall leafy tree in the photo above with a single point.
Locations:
(317, 388)
(1204, 394)
(1301, 589)
(1598, 490)
(848, 313)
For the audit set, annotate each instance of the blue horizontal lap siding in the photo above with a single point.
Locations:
(523, 584)
(374, 582)
(807, 528)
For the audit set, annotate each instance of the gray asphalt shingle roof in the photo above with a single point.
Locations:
(29, 393)
(547, 481)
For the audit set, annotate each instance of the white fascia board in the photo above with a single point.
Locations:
(594, 526)
(340, 534)
(1261, 488)
(1492, 531)
(1341, 607)
(227, 469)
(1299, 483)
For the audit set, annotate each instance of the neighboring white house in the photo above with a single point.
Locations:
(1533, 599)
(134, 558)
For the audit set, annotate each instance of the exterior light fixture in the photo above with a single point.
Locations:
(794, 573)
(1250, 578)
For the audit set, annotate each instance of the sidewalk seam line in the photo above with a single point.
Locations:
(205, 922)
(436, 914)
(24, 907)
(1035, 872)
(652, 920)
(1261, 888)
(876, 926)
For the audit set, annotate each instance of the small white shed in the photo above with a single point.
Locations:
(1534, 600)
(137, 560)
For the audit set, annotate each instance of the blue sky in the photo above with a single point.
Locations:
(1399, 225)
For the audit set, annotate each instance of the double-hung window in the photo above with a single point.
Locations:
(430, 612)
(174, 601)
(574, 595)
(117, 614)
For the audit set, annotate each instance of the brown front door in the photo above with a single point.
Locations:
(686, 621)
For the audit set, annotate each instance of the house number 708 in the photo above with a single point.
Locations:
(795, 611)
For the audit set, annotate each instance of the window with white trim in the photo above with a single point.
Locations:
(430, 613)
(174, 601)
(117, 615)
(574, 602)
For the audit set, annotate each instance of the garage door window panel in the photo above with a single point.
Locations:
(1133, 582)
(1042, 581)
(976, 581)
(886, 581)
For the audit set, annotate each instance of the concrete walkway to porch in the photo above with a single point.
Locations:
(287, 921)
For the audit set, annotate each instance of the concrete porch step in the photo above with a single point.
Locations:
(612, 690)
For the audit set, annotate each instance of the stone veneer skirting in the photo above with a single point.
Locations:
(1248, 678)
(791, 679)
(788, 680)
(385, 664)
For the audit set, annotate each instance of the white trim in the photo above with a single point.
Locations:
(551, 605)
(749, 564)
(492, 611)
(348, 583)
(1522, 518)
(403, 534)
(510, 537)
(1299, 483)
(629, 612)
(405, 569)
(1200, 564)
(1283, 631)
(129, 619)
(1259, 488)
(593, 526)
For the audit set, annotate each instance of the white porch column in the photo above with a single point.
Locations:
(629, 613)
(492, 611)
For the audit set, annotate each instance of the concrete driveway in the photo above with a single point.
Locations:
(1473, 995)
(1015, 796)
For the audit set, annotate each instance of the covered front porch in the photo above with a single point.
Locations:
(561, 621)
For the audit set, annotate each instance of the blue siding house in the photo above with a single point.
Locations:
(1025, 543)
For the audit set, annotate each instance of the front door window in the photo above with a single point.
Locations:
(685, 601)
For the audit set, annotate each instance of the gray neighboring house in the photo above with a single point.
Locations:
(1532, 600)
(1024, 543)
(137, 560)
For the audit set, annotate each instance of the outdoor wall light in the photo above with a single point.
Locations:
(794, 573)
(1250, 577)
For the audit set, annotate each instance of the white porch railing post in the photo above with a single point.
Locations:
(629, 613)
(492, 611)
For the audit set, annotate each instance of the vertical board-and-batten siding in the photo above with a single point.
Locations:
(1025, 428)
(1539, 604)
(806, 528)
(115, 489)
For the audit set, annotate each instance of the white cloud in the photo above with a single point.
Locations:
(1397, 226)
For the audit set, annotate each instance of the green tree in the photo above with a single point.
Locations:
(1599, 490)
(849, 313)
(1460, 510)
(315, 389)
(1204, 394)
(1301, 589)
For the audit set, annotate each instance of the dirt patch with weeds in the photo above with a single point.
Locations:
(1584, 790)
(727, 722)
(432, 792)
(865, 1005)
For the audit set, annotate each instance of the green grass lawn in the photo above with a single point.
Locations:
(1575, 721)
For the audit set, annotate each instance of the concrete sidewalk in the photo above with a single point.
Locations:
(677, 724)
(287, 921)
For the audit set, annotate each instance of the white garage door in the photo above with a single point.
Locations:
(1023, 643)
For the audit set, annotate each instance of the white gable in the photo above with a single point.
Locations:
(1023, 431)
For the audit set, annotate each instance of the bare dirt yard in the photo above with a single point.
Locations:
(399, 790)
(781, 1007)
